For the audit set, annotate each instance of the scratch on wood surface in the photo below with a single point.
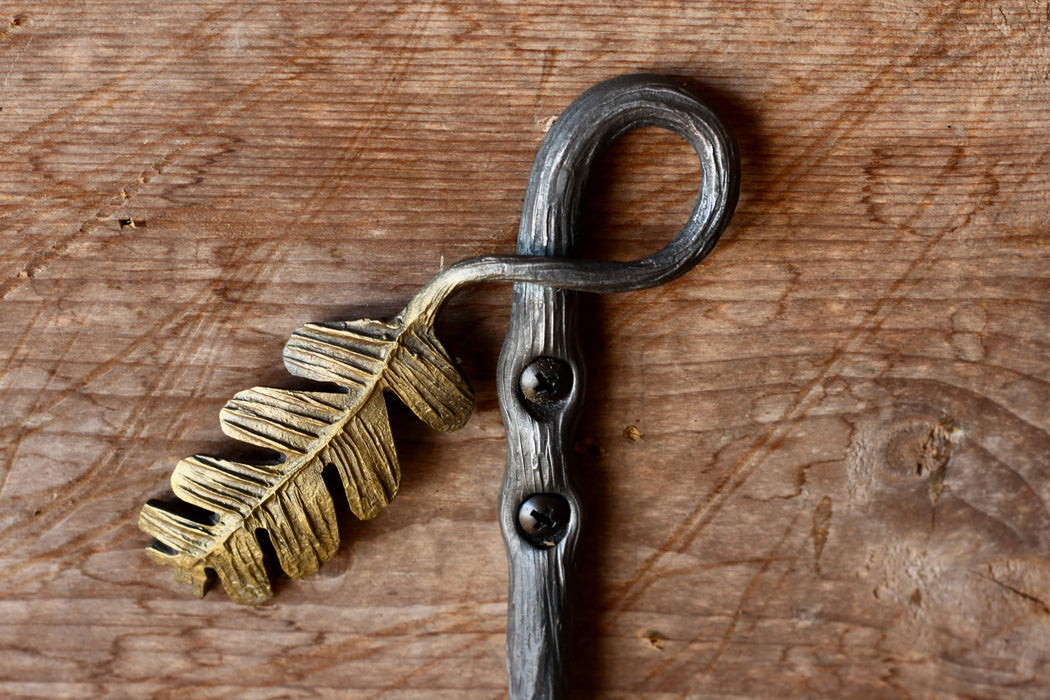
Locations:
(109, 462)
(162, 59)
(853, 110)
(1039, 604)
(42, 257)
(381, 108)
(16, 22)
(752, 587)
(693, 525)
(686, 652)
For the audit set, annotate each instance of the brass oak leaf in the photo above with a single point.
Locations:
(348, 430)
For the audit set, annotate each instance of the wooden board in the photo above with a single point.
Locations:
(815, 467)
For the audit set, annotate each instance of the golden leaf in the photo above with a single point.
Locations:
(347, 430)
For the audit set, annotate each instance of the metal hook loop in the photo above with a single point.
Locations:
(548, 239)
(540, 514)
(563, 164)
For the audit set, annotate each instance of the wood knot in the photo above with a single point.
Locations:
(904, 452)
(917, 450)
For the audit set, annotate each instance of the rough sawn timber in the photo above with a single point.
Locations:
(817, 466)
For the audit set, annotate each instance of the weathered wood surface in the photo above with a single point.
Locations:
(815, 467)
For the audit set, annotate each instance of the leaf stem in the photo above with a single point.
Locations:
(565, 273)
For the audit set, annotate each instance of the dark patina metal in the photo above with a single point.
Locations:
(546, 380)
(543, 325)
(543, 518)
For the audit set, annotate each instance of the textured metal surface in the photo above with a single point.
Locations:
(543, 325)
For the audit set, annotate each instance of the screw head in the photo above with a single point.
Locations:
(544, 518)
(546, 380)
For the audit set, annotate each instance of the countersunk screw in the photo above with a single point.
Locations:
(546, 380)
(543, 518)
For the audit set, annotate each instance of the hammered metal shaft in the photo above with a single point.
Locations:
(543, 324)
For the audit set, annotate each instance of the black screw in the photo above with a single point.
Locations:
(546, 380)
(543, 518)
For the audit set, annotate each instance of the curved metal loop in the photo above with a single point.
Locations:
(559, 177)
(563, 164)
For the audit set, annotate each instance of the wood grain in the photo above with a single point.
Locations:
(837, 479)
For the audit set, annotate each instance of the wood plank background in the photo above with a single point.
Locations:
(817, 466)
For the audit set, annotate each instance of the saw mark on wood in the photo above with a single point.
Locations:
(685, 653)
(382, 108)
(113, 458)
(693, 525)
